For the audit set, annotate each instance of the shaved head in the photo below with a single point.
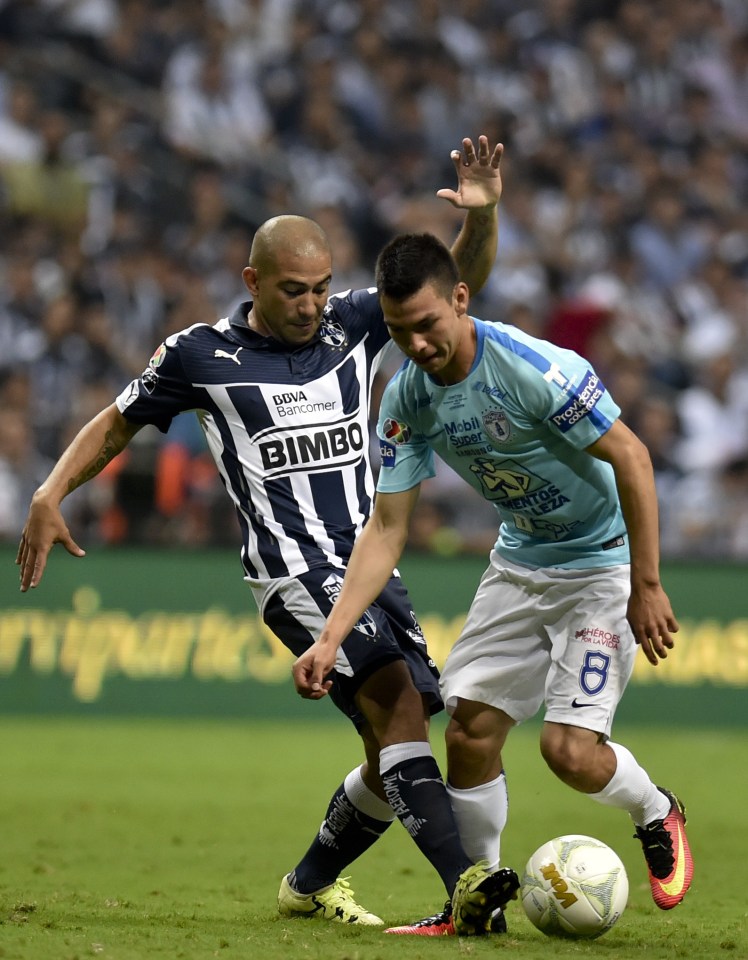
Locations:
(286, 235)
(289, 275)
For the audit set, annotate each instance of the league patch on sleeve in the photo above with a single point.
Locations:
(580, 404)
(387, 451)
(157, 358)
(395, 431)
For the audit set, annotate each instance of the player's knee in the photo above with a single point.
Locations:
(567, 757)
(466, 751)
(392, 705)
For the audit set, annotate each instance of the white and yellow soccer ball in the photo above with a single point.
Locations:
(574, 887)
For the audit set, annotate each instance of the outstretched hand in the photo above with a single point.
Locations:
(44, 527)
(478, 175)
(310, 670)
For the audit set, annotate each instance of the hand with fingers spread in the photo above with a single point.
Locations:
(478, 175)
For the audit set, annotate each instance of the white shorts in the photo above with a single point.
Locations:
(554, 635)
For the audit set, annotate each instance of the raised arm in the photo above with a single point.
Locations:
(97, 443)
(649, 612)
(478, 192)
(373, 559)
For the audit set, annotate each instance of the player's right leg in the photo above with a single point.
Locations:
(357, 815)
(475, 737)
(477, 791)
(410, 775)
(355, 819)
(494, 676)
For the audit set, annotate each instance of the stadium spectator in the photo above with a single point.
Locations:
(723, 72)
(667, 242)
(713, 411)
(21, 307)
(50, 188)
(212, 105)
(20, 139)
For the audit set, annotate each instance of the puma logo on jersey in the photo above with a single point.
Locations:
(229, 356)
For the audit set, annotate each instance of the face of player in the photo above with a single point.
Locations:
(435, 332)
(289, 296)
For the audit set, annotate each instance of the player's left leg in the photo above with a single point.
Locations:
(610, 774)
(585, 683)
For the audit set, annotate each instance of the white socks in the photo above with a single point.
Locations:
(481, 814)
(366, 800)
(631, 789)
(396, 753)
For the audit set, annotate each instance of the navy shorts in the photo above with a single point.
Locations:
(388, 631)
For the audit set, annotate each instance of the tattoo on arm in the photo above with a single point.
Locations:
(471, 249)
(470, 243)
(109, 450)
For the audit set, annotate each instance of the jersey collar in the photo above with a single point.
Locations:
(253, 340)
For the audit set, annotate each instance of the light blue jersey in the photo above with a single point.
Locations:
(515, 429)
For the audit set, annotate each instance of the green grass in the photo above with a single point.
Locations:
(167, 839)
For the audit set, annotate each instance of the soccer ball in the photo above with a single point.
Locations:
(574, 887)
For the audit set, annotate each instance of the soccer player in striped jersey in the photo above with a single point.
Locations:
(282, 390)
(573, 583)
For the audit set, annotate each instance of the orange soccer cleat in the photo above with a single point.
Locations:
(668, 855)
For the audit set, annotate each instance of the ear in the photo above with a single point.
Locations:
(461, 298)
(249, 276)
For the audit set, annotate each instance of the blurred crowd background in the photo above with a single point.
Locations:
(143, 141)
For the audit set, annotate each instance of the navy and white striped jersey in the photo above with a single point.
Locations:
(287, 428)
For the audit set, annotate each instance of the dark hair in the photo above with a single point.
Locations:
(411, 261)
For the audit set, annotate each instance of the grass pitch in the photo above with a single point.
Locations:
(168, 839)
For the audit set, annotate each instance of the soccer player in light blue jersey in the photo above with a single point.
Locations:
(573, 582)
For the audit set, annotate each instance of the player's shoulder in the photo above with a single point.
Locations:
(195, 333)
(524, 352)
(209, 334)
(171, 348)
(362, 298)
(356, 310)
(197, 349)
(193, 342)
(504, 336)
